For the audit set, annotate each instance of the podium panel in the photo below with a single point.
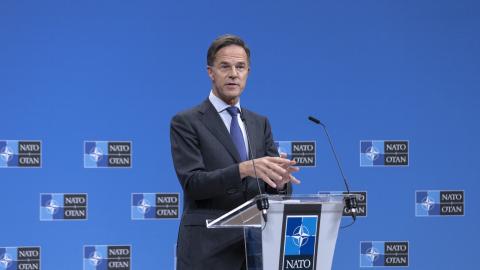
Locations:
(300, 232)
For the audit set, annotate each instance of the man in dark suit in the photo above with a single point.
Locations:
(210, 149)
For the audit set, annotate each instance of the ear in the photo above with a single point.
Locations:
(210, 73)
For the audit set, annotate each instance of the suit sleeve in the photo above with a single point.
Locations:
(196, 181)
(271, 150)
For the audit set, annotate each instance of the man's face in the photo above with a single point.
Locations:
(229, 73)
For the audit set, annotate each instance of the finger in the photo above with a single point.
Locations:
(269, 181)
(286, 165)
(271, 170)
(294, 180)
(279, 160)
(276, 169)
(275, 177)
(266, 171)
(293, 169)
(283, 155)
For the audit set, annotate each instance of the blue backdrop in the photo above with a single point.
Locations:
(72, 71)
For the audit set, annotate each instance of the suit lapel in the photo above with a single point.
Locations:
(252, 132)
(255, 134)
(214, 123)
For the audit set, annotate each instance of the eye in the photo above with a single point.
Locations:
(240, 68)
(225, 67)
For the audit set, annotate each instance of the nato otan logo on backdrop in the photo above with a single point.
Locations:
(107, 154)
(107, 257)
(383, 153)
(63, 206)
(20, 154)
(434, 203)
(303, 152)
(383, 253)
(19, 258)
(155, 206)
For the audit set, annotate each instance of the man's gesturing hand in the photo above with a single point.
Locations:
(275, 171)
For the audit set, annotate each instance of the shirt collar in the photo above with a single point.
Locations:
(219, 104)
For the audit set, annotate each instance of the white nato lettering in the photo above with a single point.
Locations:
(29, 147)
(75, 200)
(303, 148)
(119, 148)
(396, 248)
(165, 199)
(118, 252)
(452, 196)
(298, 264)
(28, 253)
(396, 147)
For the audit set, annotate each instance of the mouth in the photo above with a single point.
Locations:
(232, 84)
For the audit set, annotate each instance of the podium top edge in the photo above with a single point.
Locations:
(326, 199)
(321, 197)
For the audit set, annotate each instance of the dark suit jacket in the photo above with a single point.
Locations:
(206, 162)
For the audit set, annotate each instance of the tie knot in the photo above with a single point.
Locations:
(233, 111)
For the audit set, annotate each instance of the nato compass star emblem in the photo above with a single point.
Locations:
(428, 203)
(372, 153)
(143, 206)
(52, 207)
(5, 261)
(6, 154)
(96, 258)
(372, 254)
(300, 236)
(96, 154)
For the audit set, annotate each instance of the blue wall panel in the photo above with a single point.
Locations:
(73, 71)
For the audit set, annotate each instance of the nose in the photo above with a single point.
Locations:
(233, 72)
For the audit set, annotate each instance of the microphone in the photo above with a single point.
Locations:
(350, 202)
(262, 201)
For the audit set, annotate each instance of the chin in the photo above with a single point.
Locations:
(232, 93)
(228, 95)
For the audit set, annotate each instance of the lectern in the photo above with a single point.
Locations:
(300, 232)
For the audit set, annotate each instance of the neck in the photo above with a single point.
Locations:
(231, 101)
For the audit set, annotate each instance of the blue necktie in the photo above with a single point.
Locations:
(236, 133)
